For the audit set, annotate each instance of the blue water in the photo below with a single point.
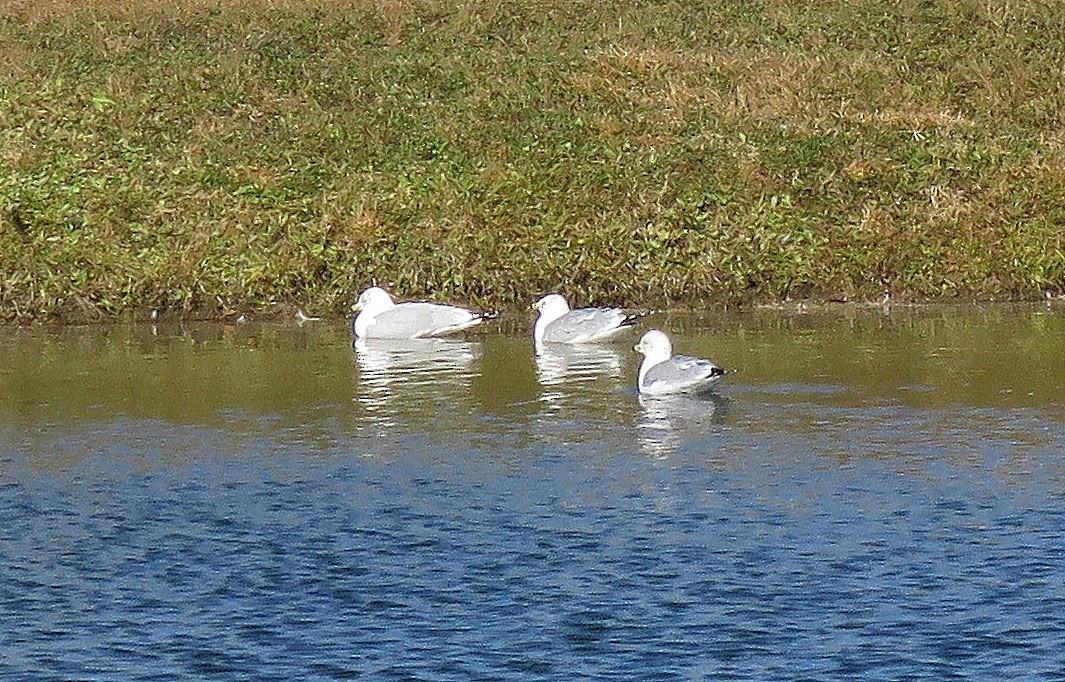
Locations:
(434, 518)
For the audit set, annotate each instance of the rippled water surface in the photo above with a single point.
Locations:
(873, 495)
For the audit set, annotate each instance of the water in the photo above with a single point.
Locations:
(874, 496)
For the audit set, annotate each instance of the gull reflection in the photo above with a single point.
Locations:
(559, 365)
(667, 421)
(412, 376)
(556, 363)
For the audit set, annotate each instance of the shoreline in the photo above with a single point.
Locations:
(514, 320)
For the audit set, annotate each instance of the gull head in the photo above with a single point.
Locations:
(373, 301)
(655, 347)
(552, 306)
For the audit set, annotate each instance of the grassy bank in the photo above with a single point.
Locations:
(249, 155)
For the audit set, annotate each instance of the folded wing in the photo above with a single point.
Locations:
(585, 325)
(420, 320)
(681, 374)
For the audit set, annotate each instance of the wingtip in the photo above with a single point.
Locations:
(632, 317)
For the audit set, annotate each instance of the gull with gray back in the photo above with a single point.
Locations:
(556, 322)
(662, 373)
(380, 317)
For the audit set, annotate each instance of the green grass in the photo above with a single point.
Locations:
(255, 156)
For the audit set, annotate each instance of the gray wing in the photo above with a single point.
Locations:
(418, 320)
(683, 373)
(586, 324)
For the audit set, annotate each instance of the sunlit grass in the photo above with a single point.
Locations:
(204, 156)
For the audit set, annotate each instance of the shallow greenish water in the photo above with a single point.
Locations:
(874, 494)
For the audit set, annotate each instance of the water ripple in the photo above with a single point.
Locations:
(411, 532)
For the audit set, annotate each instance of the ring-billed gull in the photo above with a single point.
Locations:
(558, 323)
(661, 372)
(380, 317)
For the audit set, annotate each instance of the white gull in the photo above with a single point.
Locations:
(663, 373)
(558, 323)
(380, 317)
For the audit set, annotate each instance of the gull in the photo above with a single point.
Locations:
(662, 373)
(557, 323)
(380, 317)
